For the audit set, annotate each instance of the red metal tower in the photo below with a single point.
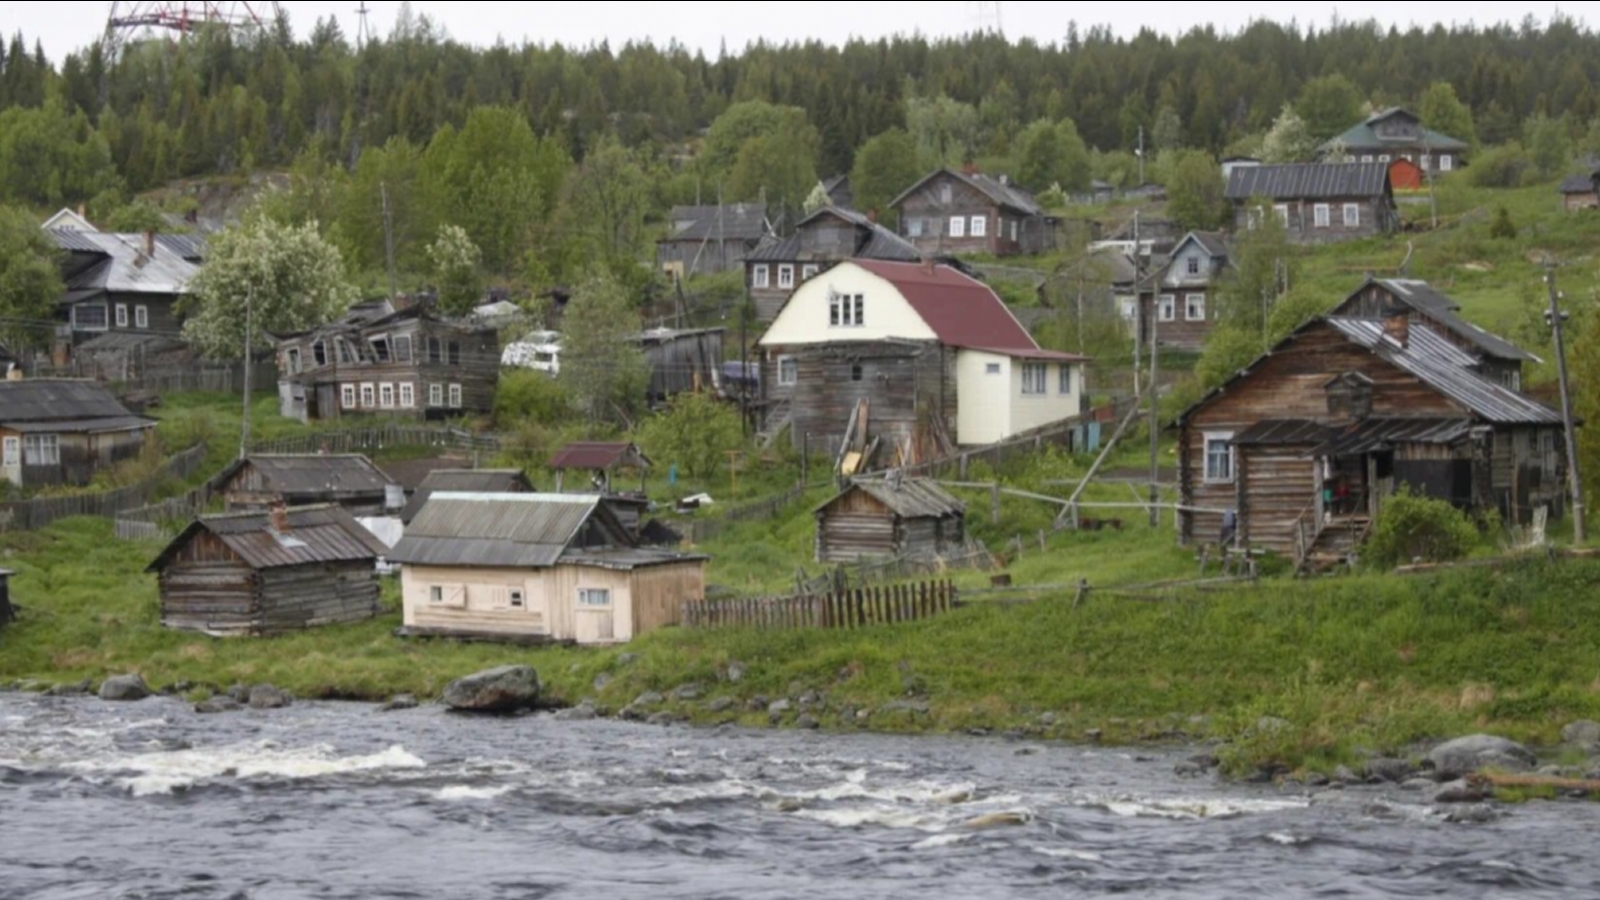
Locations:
(131, 21)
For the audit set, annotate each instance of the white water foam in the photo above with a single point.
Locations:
(943, 841)
(165, 773)
(1075, 855)
(463, 793)
(1289, 840)
(1189, 809)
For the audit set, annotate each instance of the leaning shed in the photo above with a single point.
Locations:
(886, 519)
(256, 482)
(269, 573)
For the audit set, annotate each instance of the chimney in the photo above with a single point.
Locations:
(150, 244)
(278, 517)
(872, 215)
(969, 168)
(929, 265)
(83, 211)
(1397, 326)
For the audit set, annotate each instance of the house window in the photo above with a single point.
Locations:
(1282, 209)
(90, 317)
(517, 599)
(785, 277)
(992, 369)
(436, 594)
(788, 371)
(435, 395)
(1366, 157)
(41, 450)
(408, 396)
(1034, 379)
(402, 349)
(435, 351)
(1066, 380)
(1193, 265)
(455, 353)
(1427, 161)
(369, 396)
(857, 373)
(319, 353)
(809, 272)
(1385, 158)
(847, 310)
(760, 277)
(380, 349)
(1194, 307)
(594, 598)
(1323, 215)
(958, 226)
(1013, 231)
(946, 193)
(1446, 162)
(386, 396)
(1168, 308)
(141, 317)
(346, 357)
(347, 396)
(914, 227)
(1219, 459)
(980, 226)
(455, 396)
(1352, 215)
(292, 359)
(122, 315)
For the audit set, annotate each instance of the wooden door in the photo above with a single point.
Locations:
(12, 470)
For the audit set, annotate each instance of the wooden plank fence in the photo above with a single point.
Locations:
(841, 611)
(42, 512)
(702, 530)
(379, 437)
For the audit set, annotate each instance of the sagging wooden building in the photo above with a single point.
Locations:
(56, 432)
(1297, 453)
(890, 519)
(259, 574)
(350, 481)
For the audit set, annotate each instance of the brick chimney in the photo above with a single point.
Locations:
(150, 244)
(1397, 326)
(929, 265)
(969, 168)
(278, 517)
(872, 215)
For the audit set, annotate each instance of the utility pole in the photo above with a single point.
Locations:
(388, 238)
(1153, 397)
(249, 315)
(1140, 154)
(1579, 527)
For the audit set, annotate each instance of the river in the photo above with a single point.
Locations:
(150, 801)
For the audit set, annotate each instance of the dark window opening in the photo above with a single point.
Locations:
(402, 350)
(455, 353)
(857, 373)
(380, 349)
(435, 351)
(319, 352)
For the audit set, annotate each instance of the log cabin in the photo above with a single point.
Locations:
(261, 574)
(60, 432)
(1499, 360)
(349, 481)
(890, 519)
(966, 212)
(1318, 203)
(1298, 452)
(8, 613)
(536, 568)
(1581, 191)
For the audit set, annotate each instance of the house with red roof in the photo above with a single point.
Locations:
(929, 357)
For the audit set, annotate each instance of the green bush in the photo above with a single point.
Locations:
(1413, 528)
(1502, 167)
(697, 434)
(528, 396)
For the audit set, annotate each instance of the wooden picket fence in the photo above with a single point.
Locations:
(842, 611)
(362, 440)
(42, 512)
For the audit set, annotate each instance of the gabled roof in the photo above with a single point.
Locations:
(1001, 190)
(1580, 184)
(597, 456)
(317, 534)
(313, 474)
(123, 266)
(1366, 137)
(731, 222)
(1426, 299)
(873, 241)
(961, 311)
(68, 220)
(1309, 181)
(507, 531)
(1212, 242)
(56, 401)
(465, 481)
(911, 498)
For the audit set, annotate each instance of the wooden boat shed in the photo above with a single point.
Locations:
(890, 518)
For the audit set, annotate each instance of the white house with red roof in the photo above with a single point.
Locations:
(935, 354)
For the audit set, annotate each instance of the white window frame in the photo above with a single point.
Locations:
(386, 395)
(785, 277)
(1447, 163)
(1385, 158)
(1366, 157)
(435, 395)
(292, 361)
(408, 395)
(594, 598)
(1192, 265)
(1322, 216)
(402, 350)
(993, 369)
(381, 342)
(41, 450)
(980, 227)
(1035, 379)
(847, 310)
(914, 227)
(809, 272)
(1013, 231)
(347, 396)
(13, 452)
(1167, 307)
(1282, 209)
(1352, 215)
(455, 396)
(436, 594)
(122, 315)
(369, 396)
(1225, 438)
(760, 277)
(788, 371)
(958, 226)
(141, 317)
(77, 323)
(1066, 379)
(1190, 303)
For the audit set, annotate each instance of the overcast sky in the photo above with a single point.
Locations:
(66, 26)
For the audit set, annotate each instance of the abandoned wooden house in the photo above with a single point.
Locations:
(8, 613)
(681, 361)
(1499, 360)
(537, 567)
(1581, 191)
(1298, 452)
(1178, 304)
(823, 239)
(269, 573)
(410, 364)
(348, 481)
(706, 240)
(465, 481)
(1397, 139)
(60, 432)
(963, 212)
(890, 519)
(1318, 203)
(929, 357)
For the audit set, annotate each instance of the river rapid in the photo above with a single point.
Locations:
(150, 801)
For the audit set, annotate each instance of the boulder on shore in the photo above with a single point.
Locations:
(400, 703)
(218, 705)
(1470, 755)
(124, 689)
(265, 696)
(1582, 735)
(505, 690)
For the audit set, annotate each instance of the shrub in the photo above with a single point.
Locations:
(528, 396)
(1413, 527)
(1502, 167)
(1503, 228)
(696, 434)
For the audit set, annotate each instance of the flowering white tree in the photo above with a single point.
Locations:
(457, 264)
(287, 278)
(1290, 140)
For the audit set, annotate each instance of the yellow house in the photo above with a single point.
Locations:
(537, 567)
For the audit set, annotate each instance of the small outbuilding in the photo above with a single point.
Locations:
(887, 518)
(602, 462)
(259, 574)
(7, 613)
(255, 483)
(1581, 191)
(465, 481)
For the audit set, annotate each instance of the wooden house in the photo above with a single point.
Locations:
(1318, 203)
(1178, 304)
(1498, 359)
(411, 363)
(890, 518)
(538, 567)
(351, 482)
(931, 356)
(822, 240)
(8, 613)
(465, 481)
(125, 283)
(1297, 453)
(1581, 191)
(1394, 136)
(59, 432)
(840, 192)
(964, 212)
(681, 361)
(269, 573)
(706, 240)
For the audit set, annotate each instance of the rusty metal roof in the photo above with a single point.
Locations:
(962, 311)
(598, 456)
(327, 474)
(501, 531)
(465, 481)
(1309, 181)
(911, 498)
(316, 535)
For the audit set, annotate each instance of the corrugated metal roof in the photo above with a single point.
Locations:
(1449, 370)
(130, 269)
(962, 311)
(912, 498)
(597, 456)
(51, 400)
(1283, 433)
(873, 241)
(467, 481)
(317, 534)
(733, 222)
(318, 474)
(496, 530)
(1424, 298)
(629, 560)
(1001, 190)
(1309, 181)
(1373, 435)
(85, 426)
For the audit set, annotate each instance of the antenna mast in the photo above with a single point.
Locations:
(363, 27)
(131, 22)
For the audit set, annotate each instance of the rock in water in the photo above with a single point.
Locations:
(124, 689)
(400, 703)
(265, 696)
(508, 689)
(1471, 755)
(217, 706)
